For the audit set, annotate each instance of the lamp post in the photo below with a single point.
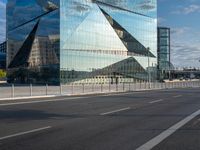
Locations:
(149, 77)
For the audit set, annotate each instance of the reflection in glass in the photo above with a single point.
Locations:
(78, 41)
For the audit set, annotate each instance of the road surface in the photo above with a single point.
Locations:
(158, 120)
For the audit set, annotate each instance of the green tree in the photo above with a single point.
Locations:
(2, 74)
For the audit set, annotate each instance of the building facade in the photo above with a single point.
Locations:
(3, 55)
(164, 48)
(81, 41)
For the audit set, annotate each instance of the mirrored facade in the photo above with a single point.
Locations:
(33, 40)
(82, 41)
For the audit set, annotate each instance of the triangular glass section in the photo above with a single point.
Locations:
(127, 68)
(22, 56)
(71, 18)
(129, 41)
(95, 33)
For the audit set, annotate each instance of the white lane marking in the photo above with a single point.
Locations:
(156, 101)
(41, 101)
(165, 134)
(114, 111)
(177, 96)
(23, 133)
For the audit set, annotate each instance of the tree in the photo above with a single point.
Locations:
(2, 74)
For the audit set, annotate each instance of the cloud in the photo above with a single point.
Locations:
(161, 21)
(147, 5)
(185, 48)
(193, 8)
(184, 55)
(179, 31)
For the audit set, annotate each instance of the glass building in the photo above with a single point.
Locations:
(81, 41)
(164, 60)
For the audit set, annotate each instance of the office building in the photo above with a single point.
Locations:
(81, 41)
(164, 54)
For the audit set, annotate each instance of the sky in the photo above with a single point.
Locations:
(182, 16)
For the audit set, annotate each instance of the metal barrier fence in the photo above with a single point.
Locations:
(13, 91)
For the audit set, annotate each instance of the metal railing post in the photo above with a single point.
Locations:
(31, 90)
(60, 89)
(92, 87)
(72, 87)
(83, 88)
(46, 89)
(13, 91)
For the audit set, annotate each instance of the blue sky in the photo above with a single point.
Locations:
(182, 16)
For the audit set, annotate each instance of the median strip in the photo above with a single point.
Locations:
(24, 133)
(114, 111)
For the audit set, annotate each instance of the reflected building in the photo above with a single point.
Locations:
(81, 41)
(3, 55)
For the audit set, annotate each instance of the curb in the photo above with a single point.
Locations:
(70, 95)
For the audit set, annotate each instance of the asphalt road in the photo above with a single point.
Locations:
(161, 120)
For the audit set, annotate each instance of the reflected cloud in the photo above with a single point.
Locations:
(47, 5)
(147, 5)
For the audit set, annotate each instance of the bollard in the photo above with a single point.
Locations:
(109, 87)
(129, 87)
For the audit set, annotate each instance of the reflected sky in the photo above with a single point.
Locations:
(87, 39)
(145, 7)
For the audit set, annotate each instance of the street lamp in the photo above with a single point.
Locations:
(149, 75)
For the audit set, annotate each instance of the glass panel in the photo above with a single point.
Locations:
(92, 48)
(39, 45)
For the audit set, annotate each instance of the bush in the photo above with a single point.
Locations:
(2, 74)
